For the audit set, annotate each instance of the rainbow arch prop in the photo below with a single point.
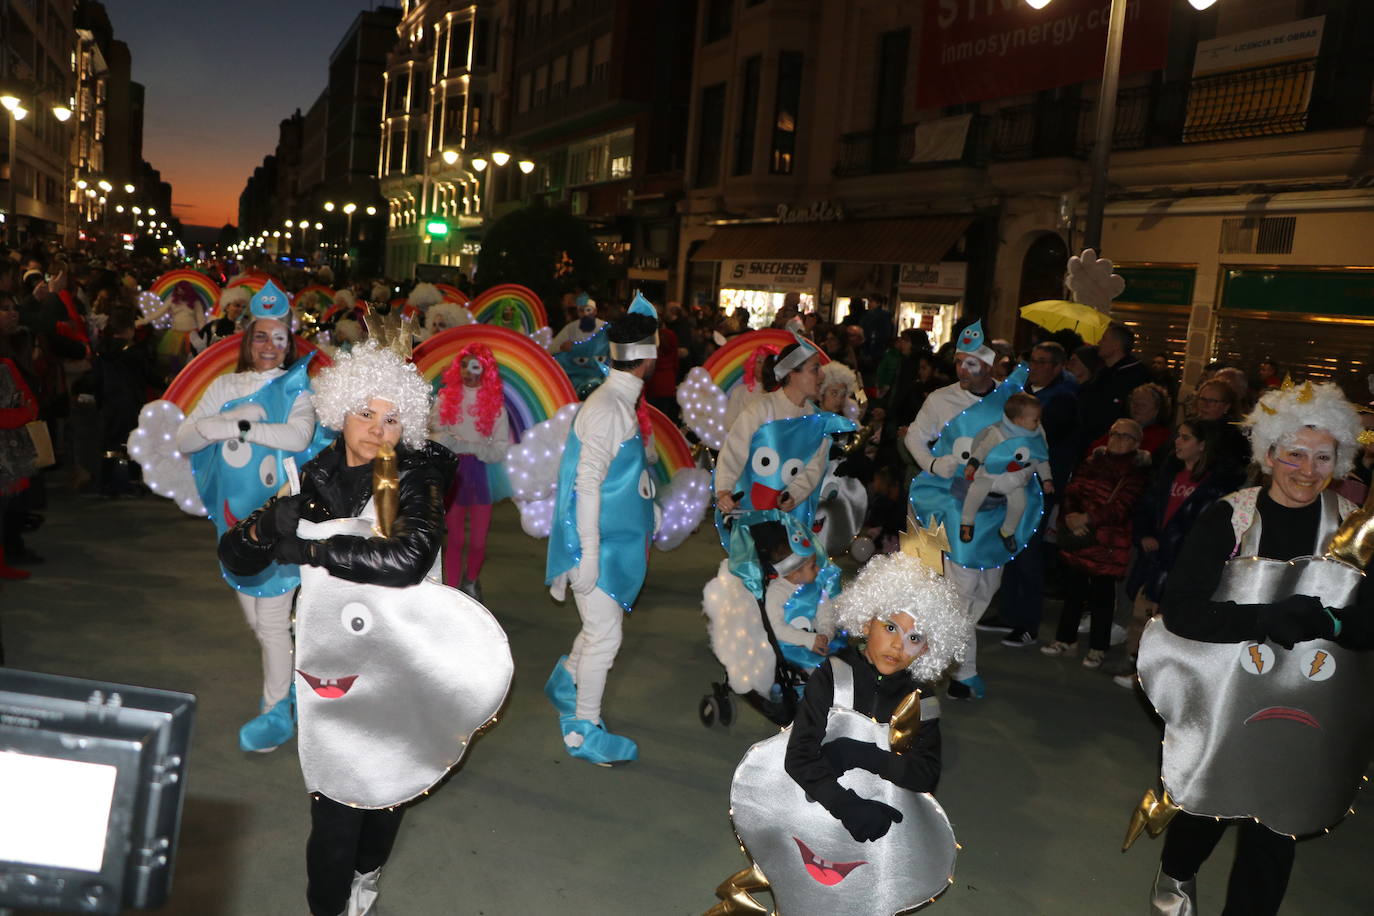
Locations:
(220, 359)
(726, 365)
(451, 293)
(529, 311)
(535, 386)
(674, 454)
(319, 291)
(206, 289)
(254, 281)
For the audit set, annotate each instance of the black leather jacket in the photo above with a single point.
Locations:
(329, 490)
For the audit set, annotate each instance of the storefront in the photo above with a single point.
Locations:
(1156, 305)
(931, 297)
(760, 286)
(1315, 322)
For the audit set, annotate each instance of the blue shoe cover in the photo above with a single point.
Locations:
(976, 684)
(597, 745)
(272, 729)
(561, 690)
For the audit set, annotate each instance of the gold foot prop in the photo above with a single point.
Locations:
(734, 894)
(1152, 814)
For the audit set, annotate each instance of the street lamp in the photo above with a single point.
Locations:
(500, 157)
(348, 209)
(17, 113)
(329, 206)
(105, 186)
(128, 189)
(450, 156)
(526, 165)
(479, 163)
(371, 211)
(62, 113)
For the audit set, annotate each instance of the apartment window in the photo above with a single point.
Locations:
(558, 77)
(480, 43)
(526, 84)
(608, 157)
(891, 90)
(577, 69)
(710, 135)
(453, 119)
(459, 39)
(718, 13)
(477, 122)
(748, 116)
(541, 85)
(601, 58)
(785, 117)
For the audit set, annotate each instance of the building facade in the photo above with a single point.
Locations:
(935, 156)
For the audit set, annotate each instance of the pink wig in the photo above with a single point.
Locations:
(645, 421)
(751, 366)
(489, 393)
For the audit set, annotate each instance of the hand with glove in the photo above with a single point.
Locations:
(582, 577)
(1295, 619)
(294, 551)
(253, 413)
(278, 519)
(864, 818)
(945, 466)
(845, 754)
(218, 428)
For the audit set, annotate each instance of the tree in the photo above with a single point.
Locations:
(548, 250)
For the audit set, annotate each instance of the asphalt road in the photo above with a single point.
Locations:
(1039, 778)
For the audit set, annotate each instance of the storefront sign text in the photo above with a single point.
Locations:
(771, 275)
(948, 278)
(820, 211)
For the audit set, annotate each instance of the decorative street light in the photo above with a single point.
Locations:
(450, 156)
(500, 157)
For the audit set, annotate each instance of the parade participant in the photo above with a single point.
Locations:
(1021, 418)
(1246, 576)
(381, 735)
(586, 325)
(220, 436)
(755, 384)
(187, 314)
(603, 523)
(797, 369)
(839, 386)
(876, 842)
(233, 302)
(479, 433)
(973, 366)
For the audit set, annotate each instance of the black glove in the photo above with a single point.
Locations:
(1295, 619)
(278, 519)
(293, 551)
(847, 754)
(866, 819)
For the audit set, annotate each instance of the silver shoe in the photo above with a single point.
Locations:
(362, 898)
(1172, 897)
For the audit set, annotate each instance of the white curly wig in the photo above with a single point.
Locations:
(1282, 412)
(835, 373)
(424, 295)
(898, 583)
(369, 371)
(445, 315)
(240, 294)
(346, 298)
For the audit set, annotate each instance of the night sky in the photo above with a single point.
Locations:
(220, 76)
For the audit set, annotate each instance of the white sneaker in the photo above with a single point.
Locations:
(1059, 648)
(1094, 658)
(1118, 634)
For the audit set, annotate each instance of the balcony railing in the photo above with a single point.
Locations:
(1263, 101)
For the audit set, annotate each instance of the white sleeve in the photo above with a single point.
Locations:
(774, 601)
(188, 439)
(293, 435)
(810, 477)
(922, 430)
(735, 450)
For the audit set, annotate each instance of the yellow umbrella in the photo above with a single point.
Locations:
(1058, 314)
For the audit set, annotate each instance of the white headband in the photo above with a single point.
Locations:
(640, 349)
(805, 350)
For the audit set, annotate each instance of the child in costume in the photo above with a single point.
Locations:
(793, 562)
(1021, 418)
(602, 527)
(397, 671)
(237, 438)
(835, 811)
(479, 434)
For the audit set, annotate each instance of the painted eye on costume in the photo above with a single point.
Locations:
(791, 468)
(765, 461)
(267, 471)
(1257, 658)
(963, 448)
(1021, 455)
(356, 618)
(234, 453)
(646, 485)
(582, 361)
(1317, 664)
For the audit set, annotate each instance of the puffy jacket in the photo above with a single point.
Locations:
(1151, 568)
(1091, 492)
(329, 490)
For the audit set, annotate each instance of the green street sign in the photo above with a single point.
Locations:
(436, 227)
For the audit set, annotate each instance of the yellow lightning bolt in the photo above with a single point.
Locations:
(1258, 658)
(1317, 661)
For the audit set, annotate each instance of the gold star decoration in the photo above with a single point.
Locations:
(928, 545)
(1366, 437)
(1305, 393)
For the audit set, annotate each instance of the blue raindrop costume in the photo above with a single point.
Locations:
(585, 362)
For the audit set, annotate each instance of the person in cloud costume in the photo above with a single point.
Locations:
(585, 327)
(1259, 664)
(941, 439)
(603, 525)
(238, 439)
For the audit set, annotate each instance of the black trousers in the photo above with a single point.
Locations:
(344, 840)
(1259, 875)
(1086, 592)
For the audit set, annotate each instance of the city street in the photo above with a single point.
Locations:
(1039, 778)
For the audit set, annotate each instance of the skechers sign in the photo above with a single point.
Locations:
(771, 275)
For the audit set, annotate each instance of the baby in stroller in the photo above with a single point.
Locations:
(762, 609)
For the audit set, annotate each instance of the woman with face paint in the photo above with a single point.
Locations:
(470, 419)
(267, 350)
(376, 400)
(1303, 436)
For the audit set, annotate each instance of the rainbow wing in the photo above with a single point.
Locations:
(512, 306)
(206, 289)
(726, 365)
(219, 359)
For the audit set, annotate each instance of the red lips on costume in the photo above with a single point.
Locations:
(764, 497)
(1285, 712)
(827, 873)
(331, 688)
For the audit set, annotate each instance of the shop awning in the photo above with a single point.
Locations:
(923, 240)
